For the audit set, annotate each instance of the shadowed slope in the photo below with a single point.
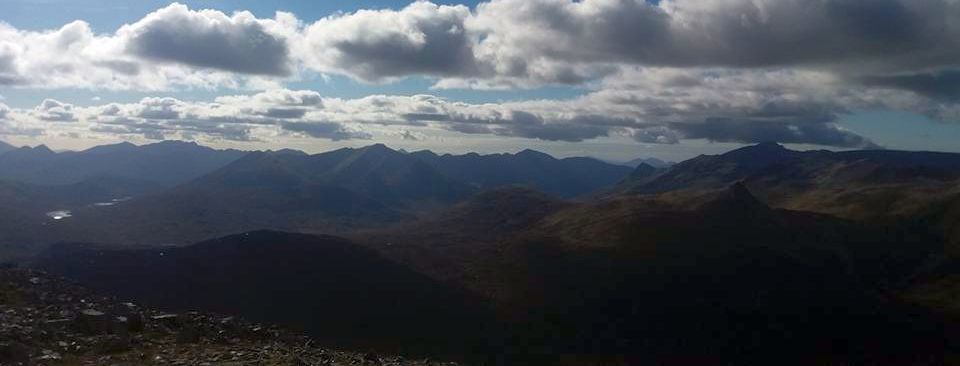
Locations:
(339, 292)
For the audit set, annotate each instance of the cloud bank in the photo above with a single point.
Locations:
(721, 70)
(660, 117)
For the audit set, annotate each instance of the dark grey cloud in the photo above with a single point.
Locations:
(9, 75)
(434, 117)
(284, 113)
(292, 98)
(209, 39)
(944, 85)
(161, 129)
(422, 38)
(755, 131)
(128, 68)
(656, 135)
(517, 124)
(51, 110)
(554, 132)
(326, 130)
(880, 34)
(159, 108)
(469, 128)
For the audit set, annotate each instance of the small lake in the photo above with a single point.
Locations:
(65, 213)
(59, 214)
(112, 202)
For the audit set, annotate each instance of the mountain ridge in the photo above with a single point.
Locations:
(4, 147)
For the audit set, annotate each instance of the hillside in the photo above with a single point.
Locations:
(452, 244)
(51, 321)
(645, 276)
(340, 293)
(5, 147)
(25, 226)
(633, 279)
(878, 186)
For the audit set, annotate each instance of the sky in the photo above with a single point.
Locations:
(613, 79)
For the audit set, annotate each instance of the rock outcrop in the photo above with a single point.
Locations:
(45, 320)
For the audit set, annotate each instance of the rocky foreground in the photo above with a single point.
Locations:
(45, 320)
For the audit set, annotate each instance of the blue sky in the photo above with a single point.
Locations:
(107, 15)
(593, 78)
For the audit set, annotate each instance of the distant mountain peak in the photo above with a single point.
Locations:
(424, 153)
(761, 155)
(534, 154)
(175, 145)
(643, 170)
(377, 146)
(290, 152)
(377, 149)
(42, 149)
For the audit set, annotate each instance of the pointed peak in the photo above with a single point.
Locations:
(377, 147)
(643, 170)
(43, 149)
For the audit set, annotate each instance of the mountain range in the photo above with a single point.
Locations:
(227, 191)
(166, 163)
(760, 255)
